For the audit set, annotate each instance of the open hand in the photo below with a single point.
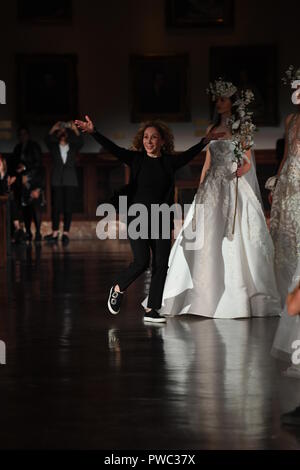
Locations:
(85, 126)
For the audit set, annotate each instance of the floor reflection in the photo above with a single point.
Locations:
(78, 377)
(221, 378)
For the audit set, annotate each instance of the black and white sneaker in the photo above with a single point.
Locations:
(154, 316)
(114, 301)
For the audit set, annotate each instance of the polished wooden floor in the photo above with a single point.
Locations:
(77, 377)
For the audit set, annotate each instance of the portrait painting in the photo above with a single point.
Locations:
(47, 88)
(185, 14)
(159, 87)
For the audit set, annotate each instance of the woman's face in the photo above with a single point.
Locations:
(152, 141)
(62, 136)
(223, 105)
(1, 166)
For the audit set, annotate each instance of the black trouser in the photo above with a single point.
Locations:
(33, 211)
(141, 259)
(62, 202)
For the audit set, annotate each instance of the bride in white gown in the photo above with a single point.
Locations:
(285, 230)
(230, 275)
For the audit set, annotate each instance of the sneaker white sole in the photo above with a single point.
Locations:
(155, 320)
(292, 372)
(108, 304)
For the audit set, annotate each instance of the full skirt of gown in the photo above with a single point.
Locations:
(222, 275)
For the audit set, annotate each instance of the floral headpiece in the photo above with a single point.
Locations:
(221, 88)
(291, 74)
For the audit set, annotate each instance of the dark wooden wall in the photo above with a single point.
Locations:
(100, 174)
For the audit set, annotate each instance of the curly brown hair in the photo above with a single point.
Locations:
(162, 128)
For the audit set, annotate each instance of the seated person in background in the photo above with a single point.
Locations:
(5, 183)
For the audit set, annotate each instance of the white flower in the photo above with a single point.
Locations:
(291, 74)
(236, 124)
(221, 88)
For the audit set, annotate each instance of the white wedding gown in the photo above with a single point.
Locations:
(285, 230)
(230, 276)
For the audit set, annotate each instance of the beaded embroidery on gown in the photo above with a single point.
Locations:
(230, 276)
(285, 230)
(285, 212)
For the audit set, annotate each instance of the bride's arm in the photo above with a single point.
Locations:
(242, 170)
(206, 166)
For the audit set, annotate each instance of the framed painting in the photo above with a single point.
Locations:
(159, 87)
(54, 11)
(253, 67)
(46, 88)
(186, 14)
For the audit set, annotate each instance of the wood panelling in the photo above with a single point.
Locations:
(102, 174)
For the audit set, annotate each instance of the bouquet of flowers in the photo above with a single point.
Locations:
(242, 129)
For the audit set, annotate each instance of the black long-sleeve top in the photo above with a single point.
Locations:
(64, 174)
(151, 179)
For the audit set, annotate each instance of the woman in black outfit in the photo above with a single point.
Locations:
(152, 181)
(64, 142)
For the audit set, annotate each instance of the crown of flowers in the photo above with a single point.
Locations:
(291, 74)
(221, 88)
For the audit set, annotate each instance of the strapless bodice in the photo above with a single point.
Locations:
(221, 152)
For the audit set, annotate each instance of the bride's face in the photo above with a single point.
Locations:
(223, 105)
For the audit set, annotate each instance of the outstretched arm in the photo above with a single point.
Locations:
(122, 154)
(185, 157)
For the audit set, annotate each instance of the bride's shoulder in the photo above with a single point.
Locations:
(209, 128)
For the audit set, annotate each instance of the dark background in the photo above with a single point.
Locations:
(104, 34)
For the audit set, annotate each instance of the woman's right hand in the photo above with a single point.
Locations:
(55, 127)
(85, 126)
